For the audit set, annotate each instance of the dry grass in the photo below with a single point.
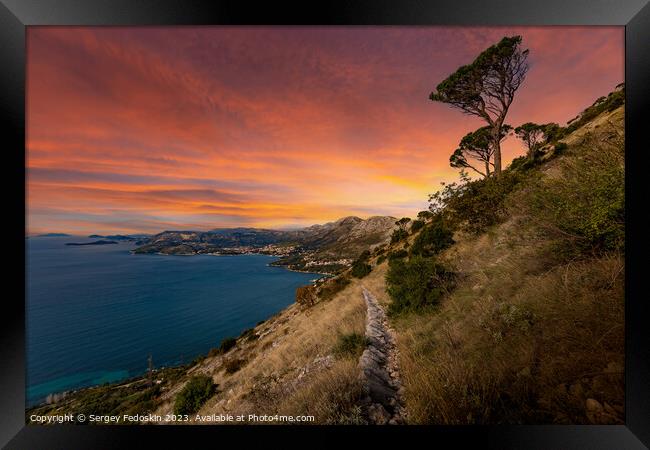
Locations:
(332, 396)
(518, 347)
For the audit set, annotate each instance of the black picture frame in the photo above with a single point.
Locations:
(16, 15)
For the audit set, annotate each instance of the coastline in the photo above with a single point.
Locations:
(306, 271)
(325, 274)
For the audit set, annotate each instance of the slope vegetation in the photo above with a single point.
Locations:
(522, 321)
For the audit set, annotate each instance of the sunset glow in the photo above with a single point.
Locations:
(148, 129)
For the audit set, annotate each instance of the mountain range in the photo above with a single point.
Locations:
(323, 248)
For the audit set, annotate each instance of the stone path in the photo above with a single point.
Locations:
(378, 363)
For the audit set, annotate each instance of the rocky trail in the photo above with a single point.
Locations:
(379, 369)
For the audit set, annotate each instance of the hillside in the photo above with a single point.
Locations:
(505, 305)
(530, 327)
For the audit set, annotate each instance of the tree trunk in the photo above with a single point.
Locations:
(497, 159)
(496, 136)
(487, 169)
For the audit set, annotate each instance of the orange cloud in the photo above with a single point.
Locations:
(142, 129)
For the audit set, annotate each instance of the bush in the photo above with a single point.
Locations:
(417, 225)
(398, 235)
(233, 365)
(364, 256)
(360, 269)
(397, 255)
(381, 259)
(332, 287)
(476, 205)
(603, 104)
(522, 163)
(416, 283)
(585, 207)
(434, 238)
(227, 344)
(350, 345)
(195, 393)
(560, 147)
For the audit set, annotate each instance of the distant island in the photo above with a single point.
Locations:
(53, 235)
(120, 237)
(100, 242)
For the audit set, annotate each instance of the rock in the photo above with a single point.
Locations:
(593, 405)
(378, 414)
(377, 376)
(594, 410)
(378, 366)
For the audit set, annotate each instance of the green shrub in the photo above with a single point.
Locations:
(416, 283)
(417, 225)
(397, 254)
(350, 345)
(226, 344)
(585, 207)
(522, 164)
(195, 393)
(332, 287)
(560, 147)
(476, 205)
(381, 259)
(233, 365)
(603, 104)
(398, 235)
(364, 256)
(360, 269)
(434, 238)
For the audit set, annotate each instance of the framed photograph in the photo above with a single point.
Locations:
(247, 221)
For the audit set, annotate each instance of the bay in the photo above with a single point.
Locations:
(94, 314)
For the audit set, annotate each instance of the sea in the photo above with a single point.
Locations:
(95, 314)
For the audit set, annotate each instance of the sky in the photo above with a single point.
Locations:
(146, 129)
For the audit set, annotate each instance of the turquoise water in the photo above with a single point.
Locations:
(95, 313)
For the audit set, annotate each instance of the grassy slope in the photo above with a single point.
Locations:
(290, 368)
(525, 337)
